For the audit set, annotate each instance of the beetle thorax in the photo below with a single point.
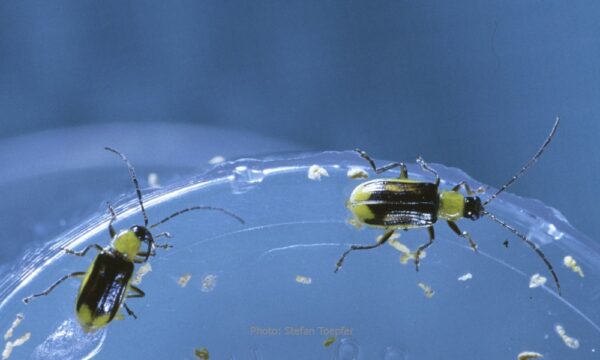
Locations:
(452, 205)
(127, 243)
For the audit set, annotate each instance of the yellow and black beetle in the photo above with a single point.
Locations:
(107, 282)
(403, 204)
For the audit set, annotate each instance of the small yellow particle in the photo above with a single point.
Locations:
(315, 172)
(527, 355)
(398, 245)
(184, 279)
(537, 280)
(153, 180)
(357, 173)
(404, 258)
(465, 277)
(119, 316)
(428, 291)
(10, 345)
(9, 332)
(406, 253)
(569, 341)
(201, 353)
(143, 270)
(572, 264)
(355, 222)
(209, 282)
(303, 280)
(329, 341)
(216, 160)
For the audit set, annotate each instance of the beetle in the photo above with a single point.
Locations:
(403, 204)
(107, 283)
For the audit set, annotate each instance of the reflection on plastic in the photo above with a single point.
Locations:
(69, 341)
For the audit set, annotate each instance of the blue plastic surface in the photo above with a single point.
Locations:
(243, 300)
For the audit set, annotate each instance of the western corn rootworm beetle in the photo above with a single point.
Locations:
(107, 282)
(403, 204)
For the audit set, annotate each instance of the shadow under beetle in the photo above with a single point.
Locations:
(403, 204)
(107, 282)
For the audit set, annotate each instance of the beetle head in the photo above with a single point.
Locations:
(473, 208)
(144, 235)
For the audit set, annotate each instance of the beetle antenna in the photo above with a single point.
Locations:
(531, 245)
(177, 213)
(529, 163)
(134, 179)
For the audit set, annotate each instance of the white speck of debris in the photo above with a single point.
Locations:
(537, 280)
(303, 279)
(465, 277)
(184, 279)
(315, 172)
(209, 282)
(9, 332)
(216, 160)
(428, 291)
(526, 355)
(570, 262)
(569, 341)
(153, 180)
(553, 231)
(357, 173)
(143, 270)
(10, 345)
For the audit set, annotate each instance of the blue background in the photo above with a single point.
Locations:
(470, 84)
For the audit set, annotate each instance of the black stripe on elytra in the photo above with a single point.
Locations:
(403, 192)
(389, 214)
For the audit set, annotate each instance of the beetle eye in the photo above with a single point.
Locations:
(140, 232)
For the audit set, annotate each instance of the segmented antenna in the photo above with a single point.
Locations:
(177, 213)
(529, 163)
(531, 245)
(134, 179)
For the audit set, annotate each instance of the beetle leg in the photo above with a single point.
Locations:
(463, 234)
(144, 255)
(163, 246)
(468, 189)
(84, 251)
(386, 236)
(165, 234)
(426, 167)
(129, 311)
(111, 229)
(403, 171)
(48, 290)
(423, 247)
(136, 292)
